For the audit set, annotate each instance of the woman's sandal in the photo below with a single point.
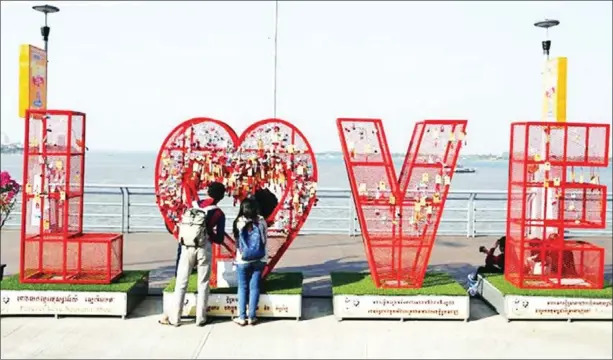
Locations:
(239, 321)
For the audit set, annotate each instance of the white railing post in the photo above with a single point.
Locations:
(473, 210)
(128, 209)
(123, 190)
(351, 212)
(469, 214)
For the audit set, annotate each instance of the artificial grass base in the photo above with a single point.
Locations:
(289, 283)
(506, 288)
(125, 283)
(435, 284)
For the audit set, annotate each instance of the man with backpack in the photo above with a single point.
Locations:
(200, 226)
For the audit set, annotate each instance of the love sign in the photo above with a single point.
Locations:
(554, 185)
(399, 217)
(270, 154)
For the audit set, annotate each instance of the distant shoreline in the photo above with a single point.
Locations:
(11, 150)
(331, 154)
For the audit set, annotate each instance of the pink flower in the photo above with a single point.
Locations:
(9, 189)
(5, 178)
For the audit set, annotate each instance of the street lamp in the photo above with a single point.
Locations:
(45, 30)
(276, 40)
(546, 24)
(544, 201)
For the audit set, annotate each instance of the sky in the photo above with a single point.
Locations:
(138, 69)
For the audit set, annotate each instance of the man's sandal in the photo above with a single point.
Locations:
(165, 321)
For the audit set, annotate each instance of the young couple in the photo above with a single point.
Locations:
(250, 232)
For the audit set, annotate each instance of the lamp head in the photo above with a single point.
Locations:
(547, 23)
(46, 9)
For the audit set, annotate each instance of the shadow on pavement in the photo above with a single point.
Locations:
(479, 309)
(151, 306)
(159, 278)
(317, 276)
(458, 271)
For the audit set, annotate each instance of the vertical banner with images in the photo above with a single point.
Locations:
(32, 79)
(554, 110)
(554, 90)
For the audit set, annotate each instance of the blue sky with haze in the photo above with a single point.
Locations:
(140, 68)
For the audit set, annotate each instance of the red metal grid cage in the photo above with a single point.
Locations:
(53, 246)
(80, 259)
(270, 153)
(399, 217)
(553, 186)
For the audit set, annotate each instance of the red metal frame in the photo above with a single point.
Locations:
(399, 217)
(547, 196)
(230, 153)
(52, 239)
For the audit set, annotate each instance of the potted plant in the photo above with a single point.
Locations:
(9, 188)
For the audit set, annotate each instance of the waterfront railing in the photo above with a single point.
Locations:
(132, 208)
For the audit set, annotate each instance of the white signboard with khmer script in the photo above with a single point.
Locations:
(62, 303)
(545, 307)
(278, 306)
(401, 307)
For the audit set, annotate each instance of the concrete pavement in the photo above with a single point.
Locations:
(318, 335)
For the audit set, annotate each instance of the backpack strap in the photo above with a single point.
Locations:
(209, 208)
(263, 238)
(261, 229)
(210, 212)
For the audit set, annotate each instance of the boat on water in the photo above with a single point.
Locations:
(460, 169)
(11, 149)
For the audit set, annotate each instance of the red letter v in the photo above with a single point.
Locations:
(399, 217)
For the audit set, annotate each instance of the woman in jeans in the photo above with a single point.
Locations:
(249, 272)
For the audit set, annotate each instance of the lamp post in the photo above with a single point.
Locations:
(544, 202)
(46, 30)
(546, 24)
(274, 91)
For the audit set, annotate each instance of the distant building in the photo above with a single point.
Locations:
(8, 147)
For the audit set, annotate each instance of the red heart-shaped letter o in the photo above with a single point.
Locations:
(270, 154)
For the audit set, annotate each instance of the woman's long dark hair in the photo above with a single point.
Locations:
(249, 210)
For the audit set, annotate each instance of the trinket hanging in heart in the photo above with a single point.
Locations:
(270, 154)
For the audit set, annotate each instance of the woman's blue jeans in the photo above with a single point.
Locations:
(249, 276)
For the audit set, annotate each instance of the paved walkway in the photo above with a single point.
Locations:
(318, 335)
(314, 255)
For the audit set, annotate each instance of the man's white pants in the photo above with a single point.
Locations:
(200, 257)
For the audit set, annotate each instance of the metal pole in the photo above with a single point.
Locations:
(45, 31)
(46, 39)
(546, 24)
(543, 207)
(275, 60)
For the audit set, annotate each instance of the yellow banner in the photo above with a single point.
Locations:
(554, 90)
(32, 79)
